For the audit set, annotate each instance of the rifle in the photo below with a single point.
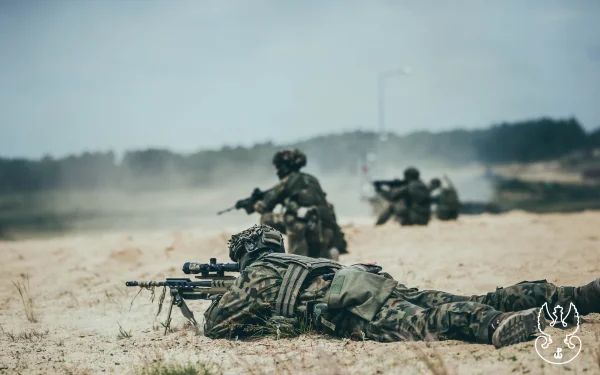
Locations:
(390, 183)
(450, 184)
(213, 283)
(248, 203)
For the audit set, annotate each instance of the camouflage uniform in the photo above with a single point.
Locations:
(307, 218)
(448, 205)
(446, 200)
(410, 204)
(406, 314)
(338, 240)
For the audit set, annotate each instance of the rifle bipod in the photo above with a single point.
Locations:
(177, 300)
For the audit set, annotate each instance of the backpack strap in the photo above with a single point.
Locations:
(299, 268)
(289, 290)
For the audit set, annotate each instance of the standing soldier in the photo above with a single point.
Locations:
(446, 200)
(307, 218)
(409, 202)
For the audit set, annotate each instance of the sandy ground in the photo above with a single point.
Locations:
(77, 285)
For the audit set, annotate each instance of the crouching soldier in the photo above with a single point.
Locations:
(445, 200)
(409, 203)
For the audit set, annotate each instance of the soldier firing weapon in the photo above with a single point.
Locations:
(248, 203)
(378, 184)
(213, 283)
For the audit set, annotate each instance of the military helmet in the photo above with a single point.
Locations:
(411, 173)
(435, 183)
(291, 158)
(255, 239)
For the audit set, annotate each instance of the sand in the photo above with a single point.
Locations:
(80, 302)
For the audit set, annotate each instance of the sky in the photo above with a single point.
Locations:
(99, 75)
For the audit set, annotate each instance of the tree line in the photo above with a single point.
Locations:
(525, 141)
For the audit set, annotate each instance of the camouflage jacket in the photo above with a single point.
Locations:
(249, 303)
(447, 199)
(297, 190)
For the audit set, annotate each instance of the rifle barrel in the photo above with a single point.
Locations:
(226, 210)
(172, 283)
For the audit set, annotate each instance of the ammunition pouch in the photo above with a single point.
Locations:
(362, 293)
(367, 267)
(314, 229)
(371, 268)
(309, 216)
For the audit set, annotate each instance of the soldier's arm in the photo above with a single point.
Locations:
(245, 305)
(393, 194)
(274, 197)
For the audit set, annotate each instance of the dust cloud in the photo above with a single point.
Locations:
(179, 193)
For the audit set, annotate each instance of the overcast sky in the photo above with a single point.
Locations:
(185, 75)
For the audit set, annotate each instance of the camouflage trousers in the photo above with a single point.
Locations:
(402, 214)
(301, 240)
(443, 213)
(411, 314)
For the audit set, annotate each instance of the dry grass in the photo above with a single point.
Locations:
(123, 334)
(24, 290)
(32, 336)
(162, 368)
(279, 328)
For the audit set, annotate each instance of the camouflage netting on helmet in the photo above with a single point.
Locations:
(255, 238)
(290, 157)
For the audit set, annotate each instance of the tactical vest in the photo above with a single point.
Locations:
(298, 269)
(305, 191)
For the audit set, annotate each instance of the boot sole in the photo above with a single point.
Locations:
(518, 328)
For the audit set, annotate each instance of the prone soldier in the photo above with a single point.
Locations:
(362, 300)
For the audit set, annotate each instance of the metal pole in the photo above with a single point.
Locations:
(380, 120)
(381, 78)
(381, 101)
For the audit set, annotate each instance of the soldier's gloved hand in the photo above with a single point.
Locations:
(260, 207)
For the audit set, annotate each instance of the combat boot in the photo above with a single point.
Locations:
(515, 327)
(587, 298)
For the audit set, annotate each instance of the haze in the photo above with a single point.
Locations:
(186, 75)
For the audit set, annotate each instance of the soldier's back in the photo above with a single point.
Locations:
(305, 189)
(419, 202)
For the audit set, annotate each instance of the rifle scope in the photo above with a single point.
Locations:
(213, 266)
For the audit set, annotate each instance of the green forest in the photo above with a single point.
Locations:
(525, 141)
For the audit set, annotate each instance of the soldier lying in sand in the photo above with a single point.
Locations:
(362, 300)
